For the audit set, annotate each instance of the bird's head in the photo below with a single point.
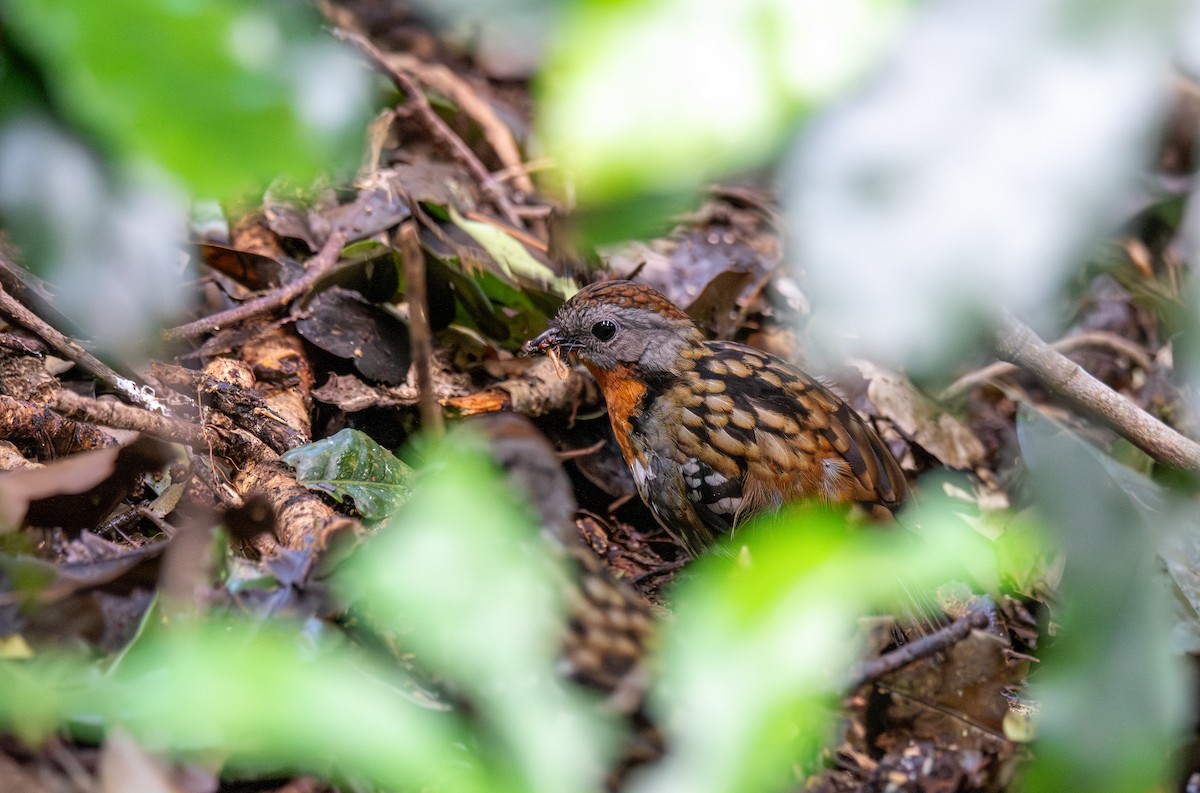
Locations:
(613, 323)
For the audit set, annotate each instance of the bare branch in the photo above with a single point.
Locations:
(420, 105)
(1017, 343)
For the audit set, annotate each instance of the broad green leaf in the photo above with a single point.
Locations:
(351, 465)
(1114, 617)
(225, 94)
(473, 307)
(465, 578)
(523, 318)
(488, 302)
(756, 655)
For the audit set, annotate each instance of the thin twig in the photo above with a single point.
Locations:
(420, 105)
(571, 454)
(324, 260)
(461, 93)
(126, 417)
(1096, 338)
(14, 310)
(421, 331)
(1017, 343)
(924, 647)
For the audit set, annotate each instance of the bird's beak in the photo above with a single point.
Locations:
(543, 343)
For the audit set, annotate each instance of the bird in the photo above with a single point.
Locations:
(715, 431)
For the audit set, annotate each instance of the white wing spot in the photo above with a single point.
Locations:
(726, 506)
(641, 474)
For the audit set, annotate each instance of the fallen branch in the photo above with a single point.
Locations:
(30, 424)
(127, 417)
(536, 391)
(242, 405)
(1094, 338)
(1017, 343)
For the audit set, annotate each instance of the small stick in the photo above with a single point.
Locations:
(418, 320)
(126, 417)
(49, 433)
(924, 647)
(420, 105)
(14, 310)
(317, 266)
(571, 454)
(459, 91)
(1017, 343)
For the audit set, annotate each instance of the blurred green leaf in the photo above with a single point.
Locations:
(1115, 620)
(351, 465)
(110, 244)
(225, 94)
(1035, 115)
(660, 95)
(514, 260)
(461, 573)
(261, 696)
(755, 658)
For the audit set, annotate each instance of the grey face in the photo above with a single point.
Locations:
(606, 335)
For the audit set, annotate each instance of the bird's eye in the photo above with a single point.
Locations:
(604, 330)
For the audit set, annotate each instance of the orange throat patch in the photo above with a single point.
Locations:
(623, 394)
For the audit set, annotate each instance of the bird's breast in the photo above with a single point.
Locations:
(625, 396)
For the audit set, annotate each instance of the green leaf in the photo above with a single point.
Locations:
(261, 695)
(755, 658)
(351, 465)
(473, 308)
(513, 259)
(461, 573)
(659, 96)
(225, 94)
(1115, 619)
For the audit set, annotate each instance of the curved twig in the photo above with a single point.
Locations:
(420, 105)
(316, 267)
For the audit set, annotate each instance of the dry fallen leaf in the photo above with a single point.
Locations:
(920, 418)
(78, 491)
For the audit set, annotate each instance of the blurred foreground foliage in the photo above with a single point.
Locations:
(750, 683)
(111, 114)
(905, 221)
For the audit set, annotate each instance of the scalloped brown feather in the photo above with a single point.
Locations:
(731, 430)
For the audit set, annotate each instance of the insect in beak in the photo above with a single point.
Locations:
(550, 340)
(549, 343)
